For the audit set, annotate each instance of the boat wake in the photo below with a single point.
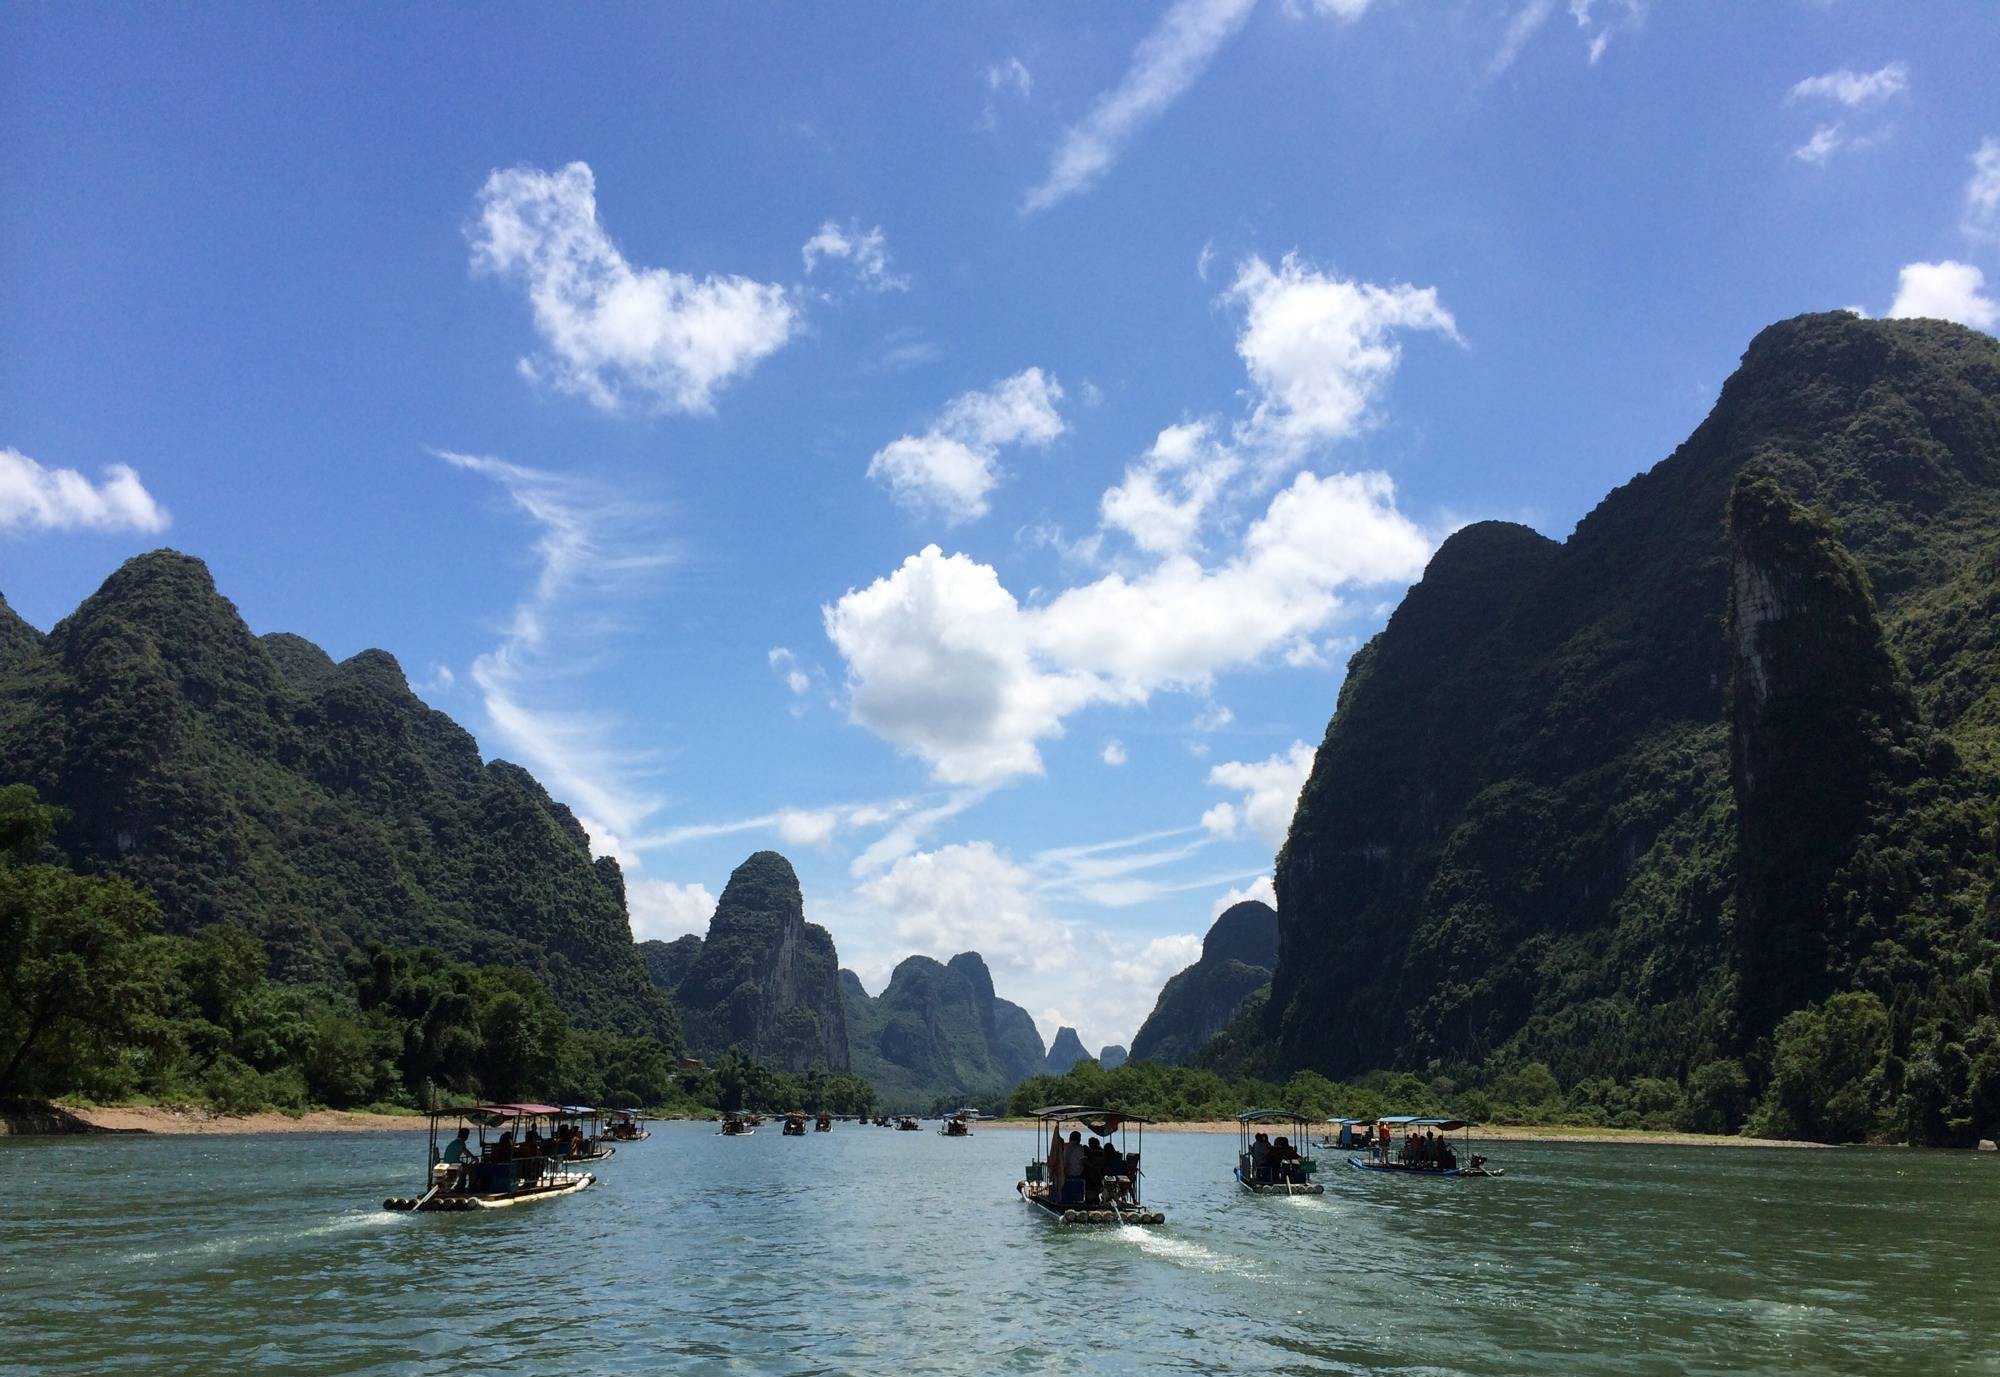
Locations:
(1182, 1252)
(1313, 1204)
(237, 1243)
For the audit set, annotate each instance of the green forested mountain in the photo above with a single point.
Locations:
(763, 983)
(254, 783)
(1706, 791)
(1236, 960)
(938, 1035)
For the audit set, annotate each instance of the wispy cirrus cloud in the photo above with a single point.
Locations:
(1165, 64)
(590, 543)
(613, 331)
(34, 498)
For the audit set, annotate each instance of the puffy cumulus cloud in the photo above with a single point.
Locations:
(943, 662)
(1163, 499)
(33, 498)
(664, 910)
(1319, 349)
(952, 467)
(1270, 789)
(969, 897)
(1980, 218)
(612, 329)
(1220, 820)
(1158, 960)
(1259, 888)
(1168, 61)
(605, 842)
(1946, 291)
(866, 252)
(1114, 752)
(1855, 90)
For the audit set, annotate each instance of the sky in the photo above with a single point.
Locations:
(959, 447)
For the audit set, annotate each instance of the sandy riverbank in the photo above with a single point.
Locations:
(1516, 1133)
(53, 1119)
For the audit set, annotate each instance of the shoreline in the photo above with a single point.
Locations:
(1512, 1133)
(58, 1120)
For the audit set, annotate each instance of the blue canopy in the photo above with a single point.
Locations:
(577, 1110)
(1419, 1121)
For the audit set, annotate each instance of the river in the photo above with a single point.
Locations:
(867, 1250)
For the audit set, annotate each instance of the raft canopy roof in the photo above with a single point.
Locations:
(496, 1113)
(1271, 1116)
(1419, 1121)
(1082, 1113)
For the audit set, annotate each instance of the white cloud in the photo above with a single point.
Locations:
(1009, 77)
(1981, 216)
(33, 498)
(944, 663)
(1260, 888)
(865, 251)
(1159, 960)
(1164, 498)
(1114, 752)
(1220, 820)
(612, 329)
(804, 828)
(664, 910)
(1523, 26)
(1319, 349)
(1165, 64)
(786, 666)
(1946, 291)
(605, 842)
(952, 467)
(587, 544)
(1212, 718)
(1855, 90)
(1826, 140)
(1591, 23)
(969, 897)
(1270, 789)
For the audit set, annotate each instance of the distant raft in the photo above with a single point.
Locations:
(1267, 1168)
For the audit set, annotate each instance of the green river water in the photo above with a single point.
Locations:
(871, 1251)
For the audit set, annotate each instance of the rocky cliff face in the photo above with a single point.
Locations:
(1112, 1057)
(938, 1035)
(1237, 958)
(1064, 1053)
(765, 981)
(256, 782)
(1543, 824)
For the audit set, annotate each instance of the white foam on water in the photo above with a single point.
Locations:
(358, 1219)
(1312, 1203)
(1182, 1252)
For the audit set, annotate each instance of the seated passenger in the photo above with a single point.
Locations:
(1283, 1159)
(503, 1151)
(460, 1150)
(1260, 1157)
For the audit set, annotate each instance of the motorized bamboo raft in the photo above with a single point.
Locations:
(517, 1167)
(1063, 1185)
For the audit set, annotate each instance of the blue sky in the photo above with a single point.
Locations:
(959, 447)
